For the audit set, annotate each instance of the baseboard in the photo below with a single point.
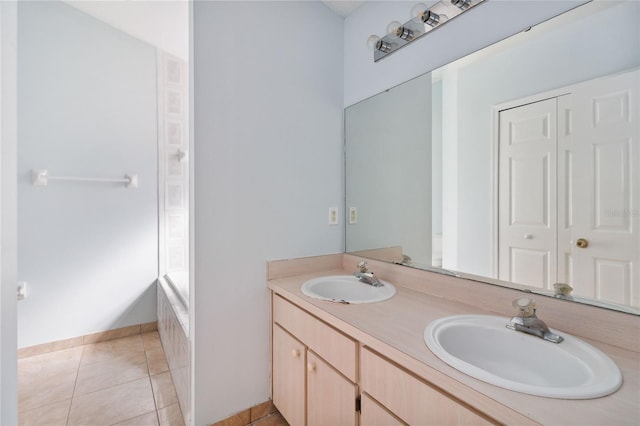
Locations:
(248, 416)
(100, 336)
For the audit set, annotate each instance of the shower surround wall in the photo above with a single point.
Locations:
(173, 326)
(86, 107)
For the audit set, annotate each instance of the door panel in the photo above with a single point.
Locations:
(331, 397)
(527, 194)
(611, 186)
(529, 204)
(530, 265)
(288, 376)
(603, 138)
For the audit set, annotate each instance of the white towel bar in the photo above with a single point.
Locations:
(42, 178)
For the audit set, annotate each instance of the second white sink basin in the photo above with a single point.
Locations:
(347, 289)
(482, 347)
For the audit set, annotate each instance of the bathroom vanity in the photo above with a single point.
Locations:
(367, 364)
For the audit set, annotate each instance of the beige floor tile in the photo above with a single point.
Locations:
(151, 341)
(53, 414)
(261, 410)
(35, 391)
(47, 378)
(275, 419)
(52, 362)
(112, 349)
(170, 416)
(112, 405)
(101, 375)
(149, 419)
(163, 390)
(242, 418)
(157, 361)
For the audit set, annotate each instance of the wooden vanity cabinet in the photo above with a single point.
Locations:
(373, 414)
(331, 398)
(289, 376)
(316, 380)
(410, 399)
(314, 369)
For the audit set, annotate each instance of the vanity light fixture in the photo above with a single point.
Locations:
(423, 19)
(404, 33)
(461, 4)
(432, 19)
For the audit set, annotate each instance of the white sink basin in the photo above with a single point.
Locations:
(482, 347)
(347, 289)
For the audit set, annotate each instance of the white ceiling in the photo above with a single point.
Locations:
(163, 24)
(343, 7)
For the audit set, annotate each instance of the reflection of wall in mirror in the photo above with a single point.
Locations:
(389, 157)
(436, 173)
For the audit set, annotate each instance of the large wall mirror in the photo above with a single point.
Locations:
(517, 165)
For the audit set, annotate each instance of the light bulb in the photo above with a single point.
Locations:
(372, 41)
(376, 43)
(393, 27)
(417, 11)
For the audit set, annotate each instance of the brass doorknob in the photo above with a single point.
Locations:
(582, 243)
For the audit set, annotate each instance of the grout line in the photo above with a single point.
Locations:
(112, 386)
(75, 384)
(153, 392)
(77, 374)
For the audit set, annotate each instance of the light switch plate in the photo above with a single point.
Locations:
(353, 215)
(22, 290)
(333, 215)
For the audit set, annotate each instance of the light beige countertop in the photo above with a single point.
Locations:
(395, 329)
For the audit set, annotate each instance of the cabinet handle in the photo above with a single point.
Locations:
(311, 367)
(295, 353)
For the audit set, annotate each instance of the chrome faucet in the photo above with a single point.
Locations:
(562, 291)
(527, 321)
(366, 276)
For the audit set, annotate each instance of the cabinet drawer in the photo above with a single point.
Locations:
(372, 414)
(336, 348)
(411, 399)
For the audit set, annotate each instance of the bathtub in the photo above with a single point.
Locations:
(173, 327)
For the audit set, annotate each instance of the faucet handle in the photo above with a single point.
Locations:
(362, 266)
(562, 289)
(526, 307)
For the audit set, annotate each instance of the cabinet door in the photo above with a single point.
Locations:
(288, 376)
(331, 398)
(334, 347)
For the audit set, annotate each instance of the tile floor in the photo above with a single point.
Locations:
(123, 381)
(274, 419)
